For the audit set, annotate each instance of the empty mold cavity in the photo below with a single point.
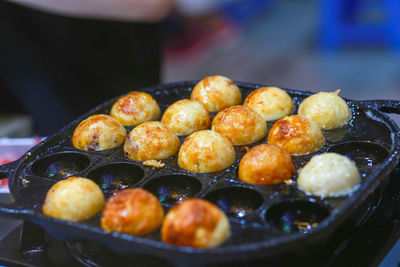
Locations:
(236, 202)
(365, 154)
(116, 176)
(296, 216)
(172, 189)
(60, 165)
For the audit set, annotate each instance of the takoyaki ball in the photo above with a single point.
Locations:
(133, 211)
(328, 110)
(206, 151)
(151, 140)
(271, 103)
(265, 165)
(240, 124)
(98, 132)
(74, 199)
(216, 93)
(195, 223)
(187, 116)
(329, 175)
(296, 135)
(135, 108)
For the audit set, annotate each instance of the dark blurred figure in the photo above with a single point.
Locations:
(59, 60)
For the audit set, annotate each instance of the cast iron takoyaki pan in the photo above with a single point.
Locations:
(265, 220)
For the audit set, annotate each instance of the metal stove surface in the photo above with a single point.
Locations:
(365, 244)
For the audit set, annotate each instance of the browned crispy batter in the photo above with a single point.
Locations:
(98, 132)
(216, 93)
(271, 103)
(135, 108)
(132, 211)
(206, 151)
(266, 164)
(74, 199)
(195, 223)
(154, 163)
(151, 140)
(296, 135)
(187, 116)
(240, 124)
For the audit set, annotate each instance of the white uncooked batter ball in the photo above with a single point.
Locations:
(327, 110)
(329, 175)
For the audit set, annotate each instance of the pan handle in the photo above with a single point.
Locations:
(387, 106)
(13, 210)
(7, 169)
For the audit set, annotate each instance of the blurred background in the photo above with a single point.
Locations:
(313, 45)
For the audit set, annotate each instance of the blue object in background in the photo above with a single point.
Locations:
(343, 23)
(243, 11)
(392, 259)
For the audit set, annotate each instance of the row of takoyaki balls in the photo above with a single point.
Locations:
(206, 151)
(135, 211)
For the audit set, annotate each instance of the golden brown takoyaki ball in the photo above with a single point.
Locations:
(206, 151)
(329, 175)
(135, 108)
(151, 140)
(195, 223)
(133, 211)
(265, 164)
(98, 132)
(216, 93)
(296, 135)
(187, 116)
(240, 124)
(328, 110)
(271, 103)
(74, 199)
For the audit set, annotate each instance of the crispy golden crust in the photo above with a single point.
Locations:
(154, 163)
(195, 223)
(271, 103)
(187, 116)
(206, 151)
(265, 164)
(327, 110)
(296, 135)
(135, 108)
(151, 140)
(132, 211)
(74, 199)
(98, 132)
(216, 93)
(240, 124)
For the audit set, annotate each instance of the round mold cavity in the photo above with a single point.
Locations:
(60, 165)
(364, 153)
(172, 189)
(296, 216)
(237, 202)
(116, 176)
